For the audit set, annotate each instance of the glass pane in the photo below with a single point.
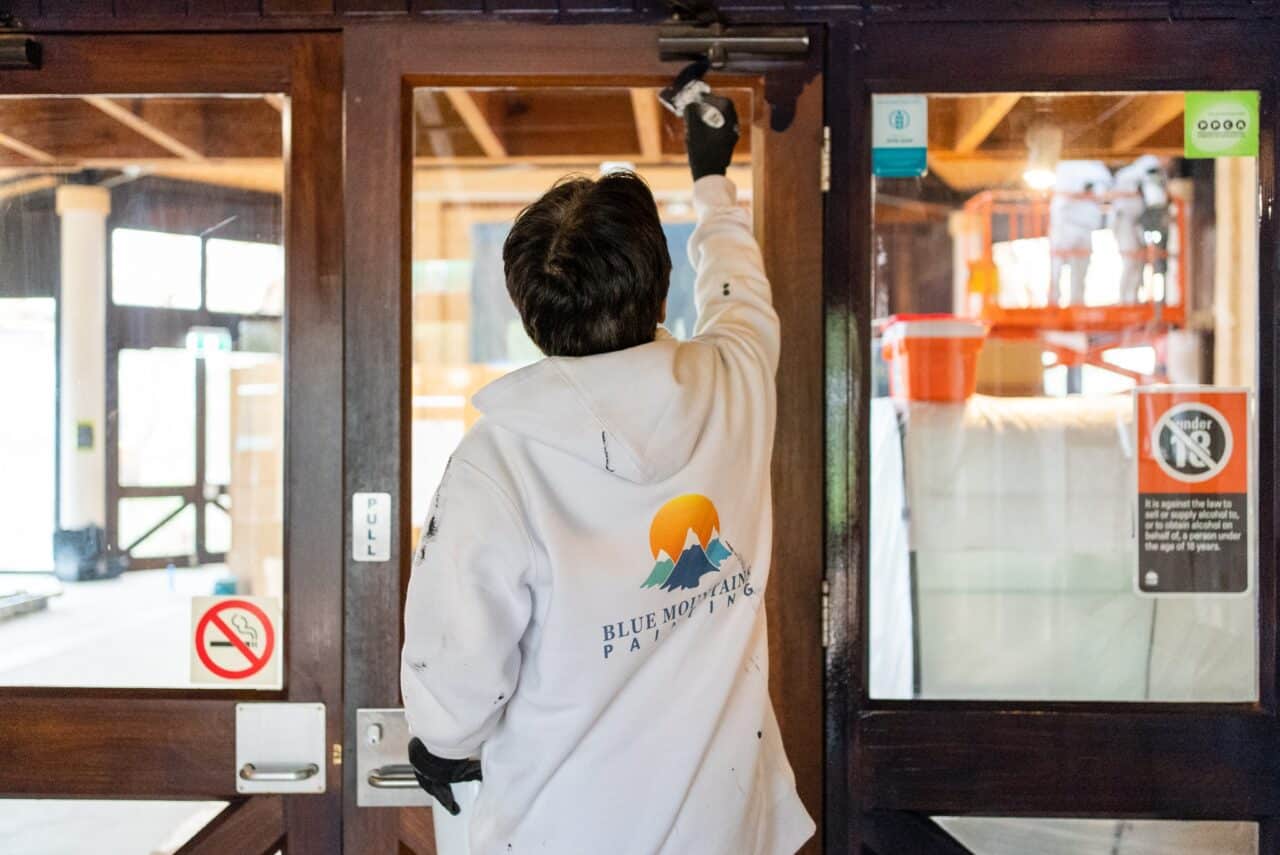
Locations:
(66, 826)
(155, 269)
(472, 176)
(28, 330)
(245, 277)
(1065, 295)
(159, 526)
(157, 398)
(141, 292)
(998, 836)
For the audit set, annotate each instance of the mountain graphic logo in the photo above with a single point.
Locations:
(684, 539)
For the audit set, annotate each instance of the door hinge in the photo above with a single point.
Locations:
(826, 615)
(826, 158)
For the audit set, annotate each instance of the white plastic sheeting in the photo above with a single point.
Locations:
(892, 633)
(1012, 521)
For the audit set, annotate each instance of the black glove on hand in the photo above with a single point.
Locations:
(710, 149)
(435, 774)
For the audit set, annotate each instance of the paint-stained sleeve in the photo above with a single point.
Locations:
(468, 606)
(735, 303)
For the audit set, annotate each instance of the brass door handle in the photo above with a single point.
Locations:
(250, 772)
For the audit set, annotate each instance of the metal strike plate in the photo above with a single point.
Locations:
(371, 526)
(384, 777)
(280, 748)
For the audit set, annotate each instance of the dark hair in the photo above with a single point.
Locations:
(587, 265)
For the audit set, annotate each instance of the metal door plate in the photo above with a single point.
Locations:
(280, 748)
(383, 774)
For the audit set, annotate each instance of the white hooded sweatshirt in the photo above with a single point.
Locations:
(586, 608)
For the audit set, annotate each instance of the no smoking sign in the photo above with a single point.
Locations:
(235, 641)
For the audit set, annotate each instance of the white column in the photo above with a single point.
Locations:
(82, 325)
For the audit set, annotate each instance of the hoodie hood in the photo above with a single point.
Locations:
(636, 413)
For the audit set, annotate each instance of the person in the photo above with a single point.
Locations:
(1141, 198)
(586, 607)
(1075, 212)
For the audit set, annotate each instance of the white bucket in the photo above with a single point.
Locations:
(452, 831)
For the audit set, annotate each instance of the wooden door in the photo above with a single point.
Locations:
(405, 83)
(1102, 748)
(251, 123)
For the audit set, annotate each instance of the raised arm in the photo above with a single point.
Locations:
(735, 305)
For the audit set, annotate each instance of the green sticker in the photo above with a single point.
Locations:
(1221, 124)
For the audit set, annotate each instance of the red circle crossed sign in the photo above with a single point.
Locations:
(256, 662)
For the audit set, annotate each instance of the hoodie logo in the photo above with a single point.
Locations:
(684, 539)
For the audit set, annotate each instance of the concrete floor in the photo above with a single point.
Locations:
(80, 827)
(130, 631)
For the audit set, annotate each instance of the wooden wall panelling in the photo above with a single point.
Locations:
(119, 747)
(252, 826)
(297, 7)
(314, 453)
(1207, 765)
(365, 7)
(788, 210)
(846, 299)
(377, 335)
(215, 8)
(145, 8)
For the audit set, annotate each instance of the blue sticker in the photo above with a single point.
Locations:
(899, 136)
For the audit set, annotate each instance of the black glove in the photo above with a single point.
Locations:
(710, 149)
(435, 774)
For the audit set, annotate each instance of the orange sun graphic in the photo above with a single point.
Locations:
(671, 525)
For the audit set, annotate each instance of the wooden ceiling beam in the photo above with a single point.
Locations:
(977, 117)
(648, 114)
(1143, 116)
(477, 123)
(983, 169)
(27, 151)
(568, 160)
(142, 127)
(458, 185)
(26, 186)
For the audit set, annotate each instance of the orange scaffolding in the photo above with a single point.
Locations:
(1016, 215)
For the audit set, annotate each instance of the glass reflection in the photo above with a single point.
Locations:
(1060, 252)
(141, 295)
(481, 155)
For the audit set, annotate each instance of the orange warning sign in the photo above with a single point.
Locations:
(1193, 441)
(1193, 490)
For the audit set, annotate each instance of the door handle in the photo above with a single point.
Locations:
(250, 772)
(398, 776)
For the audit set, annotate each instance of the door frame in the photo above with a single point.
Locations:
(383, 64)
(904, 760)
(180, 743)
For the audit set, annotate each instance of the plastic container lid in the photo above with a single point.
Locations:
(931, 326)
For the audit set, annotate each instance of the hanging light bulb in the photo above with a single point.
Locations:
(1044, 149)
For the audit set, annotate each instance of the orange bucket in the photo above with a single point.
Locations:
(932, 357)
